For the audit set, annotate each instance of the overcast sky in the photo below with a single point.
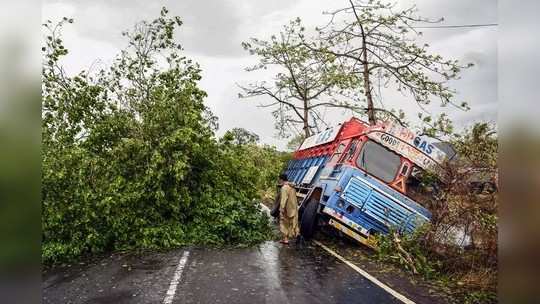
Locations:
(213, 30)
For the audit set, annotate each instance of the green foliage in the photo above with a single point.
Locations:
(305, 81)
(478, 147)
(262, 163)
(480, 297)
(241, 136)
(295, 142)
(130, 160)
(414, 244)
(436, 126)
(363, 46)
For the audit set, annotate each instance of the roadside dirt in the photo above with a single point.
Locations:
(413, 287)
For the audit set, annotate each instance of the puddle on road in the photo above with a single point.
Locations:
(300, 273)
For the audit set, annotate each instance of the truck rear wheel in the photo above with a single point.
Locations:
(308, 224)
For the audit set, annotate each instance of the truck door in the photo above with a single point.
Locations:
(333, 166)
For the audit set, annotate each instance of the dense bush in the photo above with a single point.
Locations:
(130, 159)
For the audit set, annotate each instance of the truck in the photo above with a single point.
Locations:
(355, 178)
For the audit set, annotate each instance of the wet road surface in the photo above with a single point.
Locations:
(269, 273)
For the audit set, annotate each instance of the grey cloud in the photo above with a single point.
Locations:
(212, 28)
(454, 13)
(460, 12)
(209, 29)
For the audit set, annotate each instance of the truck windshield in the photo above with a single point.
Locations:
(378, 161)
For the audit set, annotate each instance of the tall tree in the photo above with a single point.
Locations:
(304, 82)
(380, 44)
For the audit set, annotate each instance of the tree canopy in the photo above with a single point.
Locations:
(380, 43)
(303, 81)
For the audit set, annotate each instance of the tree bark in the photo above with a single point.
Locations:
(367, 85)
(306, 119)
(364, 61)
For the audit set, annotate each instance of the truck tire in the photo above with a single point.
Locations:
(308, 224)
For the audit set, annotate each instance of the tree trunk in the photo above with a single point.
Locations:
(367, 87)
(367, 83)
(307, 132)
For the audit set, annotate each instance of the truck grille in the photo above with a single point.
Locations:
(378, 209)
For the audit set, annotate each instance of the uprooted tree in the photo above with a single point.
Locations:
(130, 159)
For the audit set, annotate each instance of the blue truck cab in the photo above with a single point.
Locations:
(354, 177)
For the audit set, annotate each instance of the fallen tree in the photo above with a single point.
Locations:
(130, 159)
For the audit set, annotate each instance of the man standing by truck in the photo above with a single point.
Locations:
(288, 210)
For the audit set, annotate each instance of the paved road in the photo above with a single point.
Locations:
(269, 273)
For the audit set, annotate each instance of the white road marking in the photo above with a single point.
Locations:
(176, 278)
(366, 275)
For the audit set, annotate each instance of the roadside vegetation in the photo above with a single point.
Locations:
(130, 159)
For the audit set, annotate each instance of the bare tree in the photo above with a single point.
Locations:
(379, 44)
(306, 82)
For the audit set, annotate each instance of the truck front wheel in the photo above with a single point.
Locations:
(308, 224)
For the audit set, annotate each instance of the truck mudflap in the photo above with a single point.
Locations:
(350, 228)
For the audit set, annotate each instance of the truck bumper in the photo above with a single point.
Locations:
(350, 228)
